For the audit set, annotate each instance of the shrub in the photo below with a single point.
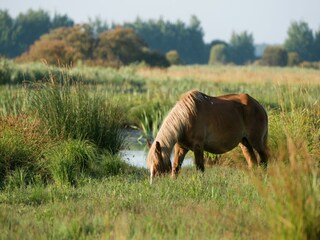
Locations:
(62, 46)
(219, 54)
(275, 56)
(293, 59)
(173, 57)
(123, 46)
(154, 59)
(53, 52)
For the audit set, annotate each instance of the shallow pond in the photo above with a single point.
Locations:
(138, 158)
(136, 153)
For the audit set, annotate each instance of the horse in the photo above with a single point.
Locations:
(199, 123)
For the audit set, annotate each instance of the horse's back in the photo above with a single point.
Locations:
(255, 118)
(236, 113)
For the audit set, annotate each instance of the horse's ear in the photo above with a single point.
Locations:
(158, 147)
(149, 143)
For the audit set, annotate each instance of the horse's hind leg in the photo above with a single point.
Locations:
(248, 152)
(262, 149)
(263, 154)
(179, 154)
(198, 155)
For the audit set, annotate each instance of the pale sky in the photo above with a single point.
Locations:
(267, 20)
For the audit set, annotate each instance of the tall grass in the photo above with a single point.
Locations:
(67, 110)
(21, 147)
(291, 191)
(12, 101)
(52, 131)
(70, 160)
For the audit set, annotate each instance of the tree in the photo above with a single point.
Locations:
(317, 45)
(219, 54)
(124, 46)
(62, 46)
(6, 25)
(79, 37)
(164, 36)
(275, 56)
(61, 21)
(300, 40)
(28, 28)
(16, 35)
(121, 44)
(98, 26)
(242, 48)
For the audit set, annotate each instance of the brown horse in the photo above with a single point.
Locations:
(199, 122)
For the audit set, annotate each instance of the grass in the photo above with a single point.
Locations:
(91, 193)
(223, 203)
(68, 111)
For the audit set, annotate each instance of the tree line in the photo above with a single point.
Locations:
(34, 34)
(16, 35)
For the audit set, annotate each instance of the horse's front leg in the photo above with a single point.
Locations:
(198, 156)
(179, 154)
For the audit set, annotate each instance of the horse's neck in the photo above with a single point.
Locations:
(167, 141)
(173, 126)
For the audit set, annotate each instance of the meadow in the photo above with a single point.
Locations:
(62, 178)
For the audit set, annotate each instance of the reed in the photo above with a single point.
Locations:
(67, 110)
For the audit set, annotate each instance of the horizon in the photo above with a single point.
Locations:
(268, 22)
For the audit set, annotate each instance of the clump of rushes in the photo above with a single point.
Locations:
(21, 147)
(150, 122)
(66, 110)
(70, 160)
(291, 194)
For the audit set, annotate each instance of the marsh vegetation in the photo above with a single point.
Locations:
(61, 176)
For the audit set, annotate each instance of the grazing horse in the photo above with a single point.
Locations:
(199, 122)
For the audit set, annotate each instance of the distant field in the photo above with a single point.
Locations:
(45, 195)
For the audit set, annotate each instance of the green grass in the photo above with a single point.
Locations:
(222, 203)
(67, 110)
(60, 181)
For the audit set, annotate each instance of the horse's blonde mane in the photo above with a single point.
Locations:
(176, 120)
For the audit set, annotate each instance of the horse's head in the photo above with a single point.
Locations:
(156, 164)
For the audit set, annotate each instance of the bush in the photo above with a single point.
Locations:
(61, 46)
(293, 59)
(123, 46)
(53, 52)
(154, 59)
(173, 57)
(219, 54)
(275, 56)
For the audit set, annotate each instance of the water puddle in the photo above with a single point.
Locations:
(138, 158)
